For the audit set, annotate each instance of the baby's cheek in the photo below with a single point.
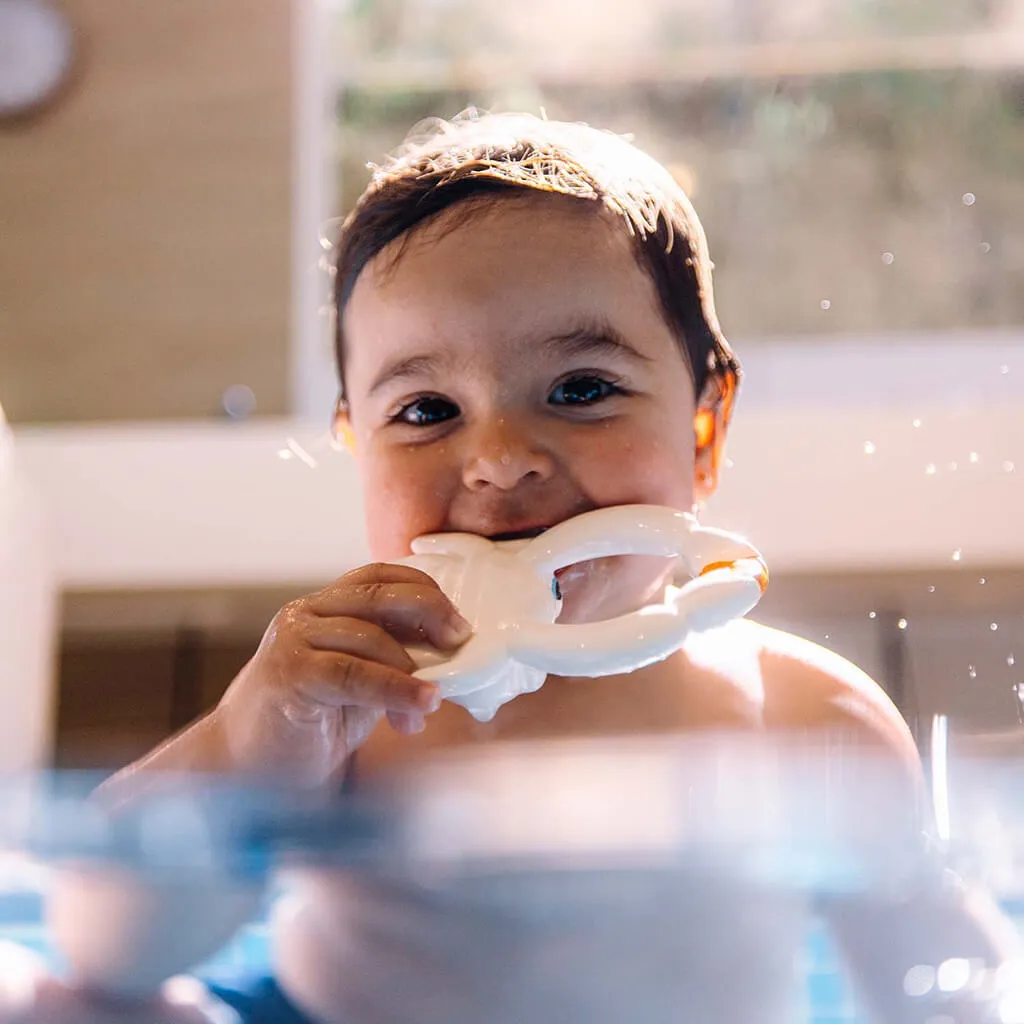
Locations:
(396, 510)
(652, 468)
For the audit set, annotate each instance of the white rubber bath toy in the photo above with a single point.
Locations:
(507, 591)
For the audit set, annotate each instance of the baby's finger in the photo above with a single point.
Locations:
(359, 638)
(408, 723)
(385, 572)
(410, 612)
(339, 680)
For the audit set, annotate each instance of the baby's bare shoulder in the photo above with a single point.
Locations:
(808, 686)
(800, 685)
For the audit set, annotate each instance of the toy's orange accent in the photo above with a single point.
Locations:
(753, 567)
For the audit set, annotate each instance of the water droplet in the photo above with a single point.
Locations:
(931, 590)
(972, 672)
(931, 469)
(872, 615)
(826, 636)
(952, 467)
(238, 401)
(985, 247)
(825, 304)
(902, 624)
(300, 453)
(993, 626)
(952, 976)
(957, 554)
(919, 980)
(888, 258)
(981, 580)
(1004, 369)
(917, 423)
(968, 198)
(1008, 466)
(869, 448)
(1011, 660)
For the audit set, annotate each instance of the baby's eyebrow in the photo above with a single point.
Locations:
(593, 339)
(403, 369)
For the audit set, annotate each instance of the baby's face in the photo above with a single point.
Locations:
(512, 371)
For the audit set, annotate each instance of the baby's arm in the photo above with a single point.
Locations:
(29, 994)
(940, 919)
(330, 668)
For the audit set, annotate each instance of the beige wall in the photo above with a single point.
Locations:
(144, 248)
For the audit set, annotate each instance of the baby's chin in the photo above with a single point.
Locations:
(608, 587)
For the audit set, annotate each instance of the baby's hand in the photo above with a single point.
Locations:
(29, 994)
(331, 666)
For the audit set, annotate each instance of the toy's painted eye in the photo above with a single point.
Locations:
(555, 588)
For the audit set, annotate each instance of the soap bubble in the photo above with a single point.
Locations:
(957, 554)
(902, 624)
(931, 589)
(825, 304)
(981, 580)
(1011, 660)
(972, 672)
(993, 626)
(974, 458)
(985, 247)
(284, 453)
(917, 423)
(888, 258)
(931, 469)
(869, 448)
(1004, 369)
(1008, 466)
(968, 198)
(872, 615)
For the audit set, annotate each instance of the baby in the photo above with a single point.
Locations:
(526, 331)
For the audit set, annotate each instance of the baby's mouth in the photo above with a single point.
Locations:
(529, 534)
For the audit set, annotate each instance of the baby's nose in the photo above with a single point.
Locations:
(503, 455)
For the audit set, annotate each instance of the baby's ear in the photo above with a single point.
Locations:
(710, 424)
(341, 427)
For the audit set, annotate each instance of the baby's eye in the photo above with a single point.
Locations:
(425, 412)
(583, 391)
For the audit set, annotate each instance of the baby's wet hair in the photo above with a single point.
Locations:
(477, 160)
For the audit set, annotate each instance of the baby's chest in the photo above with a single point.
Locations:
(658, 701)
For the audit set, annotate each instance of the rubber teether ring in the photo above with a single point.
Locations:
(752, 567)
